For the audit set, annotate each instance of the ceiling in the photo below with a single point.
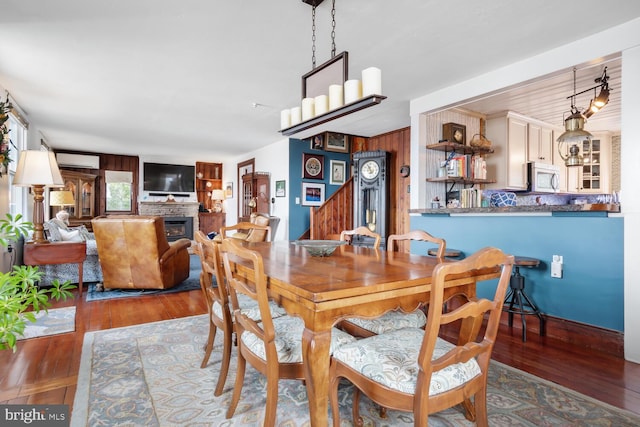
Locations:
(207, 79)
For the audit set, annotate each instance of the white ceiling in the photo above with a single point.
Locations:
(207, 79)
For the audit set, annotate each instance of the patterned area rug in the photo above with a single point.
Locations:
(192, 282)
(149, 375)
(55, 321)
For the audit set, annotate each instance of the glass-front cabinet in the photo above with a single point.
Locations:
(595, 175)
(83, 188)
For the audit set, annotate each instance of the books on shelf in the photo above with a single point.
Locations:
(467, 166)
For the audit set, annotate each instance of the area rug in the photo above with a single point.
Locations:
(192, 282)
(149, 375)
(55, 321)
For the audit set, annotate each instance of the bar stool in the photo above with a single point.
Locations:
(517, 301)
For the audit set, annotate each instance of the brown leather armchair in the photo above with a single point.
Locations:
(134, 253)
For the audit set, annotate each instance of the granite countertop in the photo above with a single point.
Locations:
(586, 207)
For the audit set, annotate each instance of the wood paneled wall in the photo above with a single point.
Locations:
(398, 144)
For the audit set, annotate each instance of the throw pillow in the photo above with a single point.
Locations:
(71, 236)
(53, 231)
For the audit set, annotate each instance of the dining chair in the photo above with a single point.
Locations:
(396, 319)
(415, 370)
(247, 231)
(216, 295)
(272, 346)
(348, 235)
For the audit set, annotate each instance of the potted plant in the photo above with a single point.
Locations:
(20, 296)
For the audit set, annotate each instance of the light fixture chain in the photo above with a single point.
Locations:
(333, 28)
(313, 37)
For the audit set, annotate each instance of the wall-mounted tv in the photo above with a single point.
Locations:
(170, 179)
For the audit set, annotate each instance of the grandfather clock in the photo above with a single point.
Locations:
(371, 194)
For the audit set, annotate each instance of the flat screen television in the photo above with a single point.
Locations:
(169, 179)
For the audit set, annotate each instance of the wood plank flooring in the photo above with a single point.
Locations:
(44, 370)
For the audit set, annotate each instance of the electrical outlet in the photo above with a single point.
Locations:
(556, 266)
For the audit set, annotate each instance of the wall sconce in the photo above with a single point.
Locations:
(38, 169)
(217, 196)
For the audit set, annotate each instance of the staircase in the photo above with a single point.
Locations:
(333, 216)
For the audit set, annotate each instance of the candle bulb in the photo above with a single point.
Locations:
(285, 119)
(371, 81)
(296, 116)
(308, 111)
(321, 104)
(352, 91)
(336, 96)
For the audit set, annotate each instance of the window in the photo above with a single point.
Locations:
(118, 187)
(18, 136)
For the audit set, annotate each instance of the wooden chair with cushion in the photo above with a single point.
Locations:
(134, 253)
(272, 346)
(415, 370)
(396, 319)
(216, 294)
(348, 235)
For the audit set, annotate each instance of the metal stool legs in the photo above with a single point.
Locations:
(517, 302)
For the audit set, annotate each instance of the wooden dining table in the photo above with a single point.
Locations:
(352, 282)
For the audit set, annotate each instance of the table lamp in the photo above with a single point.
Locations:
(62, 198)
(217, 196)
(37, 169)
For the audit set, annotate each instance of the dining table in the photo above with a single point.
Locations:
(354, 281)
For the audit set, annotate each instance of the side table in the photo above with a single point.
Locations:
(57, 253)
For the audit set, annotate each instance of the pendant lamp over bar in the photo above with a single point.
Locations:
(327, 91)
(574, 124)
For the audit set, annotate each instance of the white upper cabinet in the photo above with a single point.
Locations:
(594, 177)
(540, 143)
(508, 134)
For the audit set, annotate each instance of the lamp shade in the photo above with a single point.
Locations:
(61, 198)
(217, 195)
(37, 167)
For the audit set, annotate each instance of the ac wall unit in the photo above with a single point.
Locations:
(78, 161)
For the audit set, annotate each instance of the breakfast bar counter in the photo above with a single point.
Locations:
(604, 208)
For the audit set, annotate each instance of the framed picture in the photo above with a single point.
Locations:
(454, 132)
(228, 190)
(338, 142)
(317, 142)
(338, 172)
(280, 188)
(312, 166)
(312, 194)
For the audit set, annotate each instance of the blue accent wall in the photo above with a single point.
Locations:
(591, 290)
(298, 214)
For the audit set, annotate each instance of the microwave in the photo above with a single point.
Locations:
(543, 177)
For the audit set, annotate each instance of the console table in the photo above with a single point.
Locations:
(57, 253)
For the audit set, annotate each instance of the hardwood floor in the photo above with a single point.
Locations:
(44, 370)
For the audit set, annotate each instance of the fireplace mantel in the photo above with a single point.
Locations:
(189, 209)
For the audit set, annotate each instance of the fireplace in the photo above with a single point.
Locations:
(174, 212)
(178, 227)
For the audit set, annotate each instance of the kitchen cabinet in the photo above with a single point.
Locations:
(594, 177)
(540, 143)
(208, 178)
(83, 188)
(508, 134)
(255, 195)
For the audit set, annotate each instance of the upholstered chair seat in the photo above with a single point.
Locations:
(391, 320)
(392, 360)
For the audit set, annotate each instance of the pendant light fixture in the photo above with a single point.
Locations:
(327, 92)
(574, 133)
